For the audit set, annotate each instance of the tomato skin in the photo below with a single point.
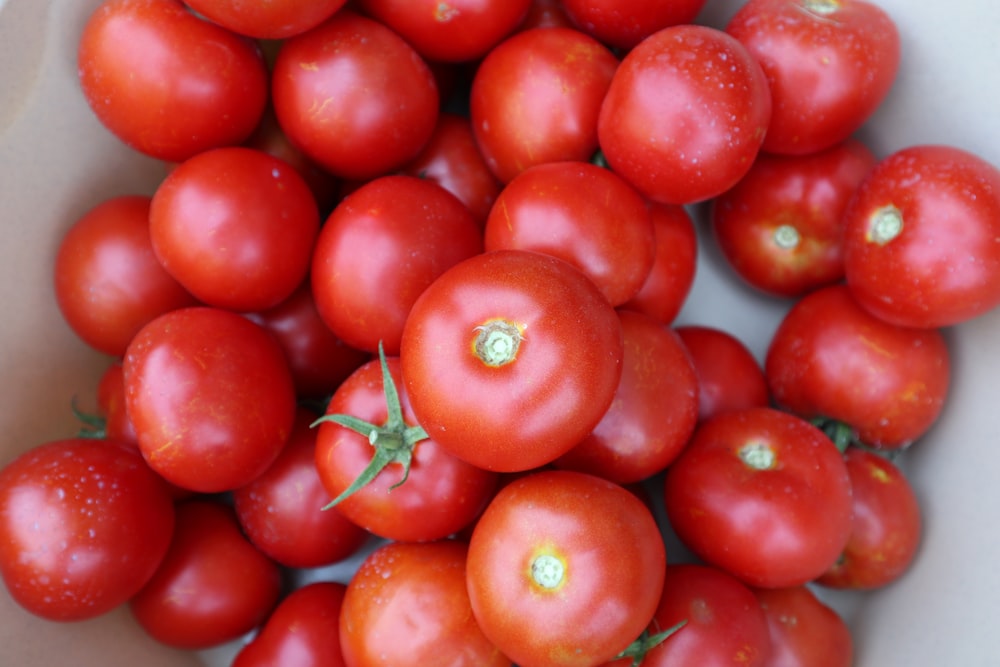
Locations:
(887, 525)
(277, 19)
(612, 562)
(729, 376)
(211, 587)
(763, 495)
(583, 214)
(781, 228)
(167, 83)
(392, 237)
(831, 358)
(354, 97)
(828, 68)
(83, 526)
(536, 96)
(298, 631)
(402, 587)
(623, 24)
(929, 274)
(108, 281)
(198, 380)
(111, 405)
(562, 378)
(685, 114)
(804, 631)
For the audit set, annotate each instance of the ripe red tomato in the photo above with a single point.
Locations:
(536, 96)
(763, 495)
(781, 228)
(300, 632)
(829, 64)
(378, 251)
(545, 14)
(108, 282)
(804, 631)
(830, 358)
(83, 526)
(685, 114)
(510, 358)
(624, 23)
(211, 398)
(212, 586)
(401, 587)
(354, 97)
(558, 580)
(583, 214)
(168, 83)
(111, 405)
(922, 237)
(275, 19)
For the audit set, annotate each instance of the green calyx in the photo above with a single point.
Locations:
(93, 426)
(646, 642)
(393, 441)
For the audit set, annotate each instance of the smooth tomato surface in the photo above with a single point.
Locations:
(624, 23)
(805, 632)
(275, 19)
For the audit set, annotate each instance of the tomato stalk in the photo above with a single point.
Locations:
(844, 436)
(94, 426)
(393, 440)
(646, 642)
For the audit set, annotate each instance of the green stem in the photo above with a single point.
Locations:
(646, 642)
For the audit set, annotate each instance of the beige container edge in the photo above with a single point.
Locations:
(56, 161)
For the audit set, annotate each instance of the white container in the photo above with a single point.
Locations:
(56, 162)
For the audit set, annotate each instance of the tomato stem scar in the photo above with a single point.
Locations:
(497, 342)
(787, 237)
(547, 571)
(885, 224)
(757, 455)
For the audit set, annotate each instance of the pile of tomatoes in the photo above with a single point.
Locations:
(406, 299)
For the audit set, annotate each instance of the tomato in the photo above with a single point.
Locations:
(830, 358)
(210, 396)
(108, 282)
(829, 65)
(167, 83)
(624, 23)
(510, 358)
(379, 249)
(685, 114)
(420, 491)
(236, 227)
(536, 96)
(453, 31)
(729, 376)
(276, 19)
(354, 97)
(83, 526)
(211, 587)
(781, 228)
(922, 237)
(545, 14)
(805, 632)
(583, 214)
(558, 580)
(654, 410)
(111, 404)
(298, 632)
(675, 260)
(763, 495)
(887, 525)
(407, 604)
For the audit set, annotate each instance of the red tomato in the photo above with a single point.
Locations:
(583, 214)
(378, 251)
(83, 526)
(675, 260)
(111, 404)
(453, 31)
(624, 23)
(558, 580)
(781, 228)
(763, 495)
(729, 376)
(830, 358)
(299, 633)
(829, 64)
(212, 586)
(354, 97)
(922, 239)
(199, 381)
(408, 605)
(804, 631)
(167, 83)
(108, 281)
(236, 227)
(545, 14)
(281, 511)
(887, 525)
(654, 411)
(536, 96)
(274, 19)
(685, 114)
(510, 358)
